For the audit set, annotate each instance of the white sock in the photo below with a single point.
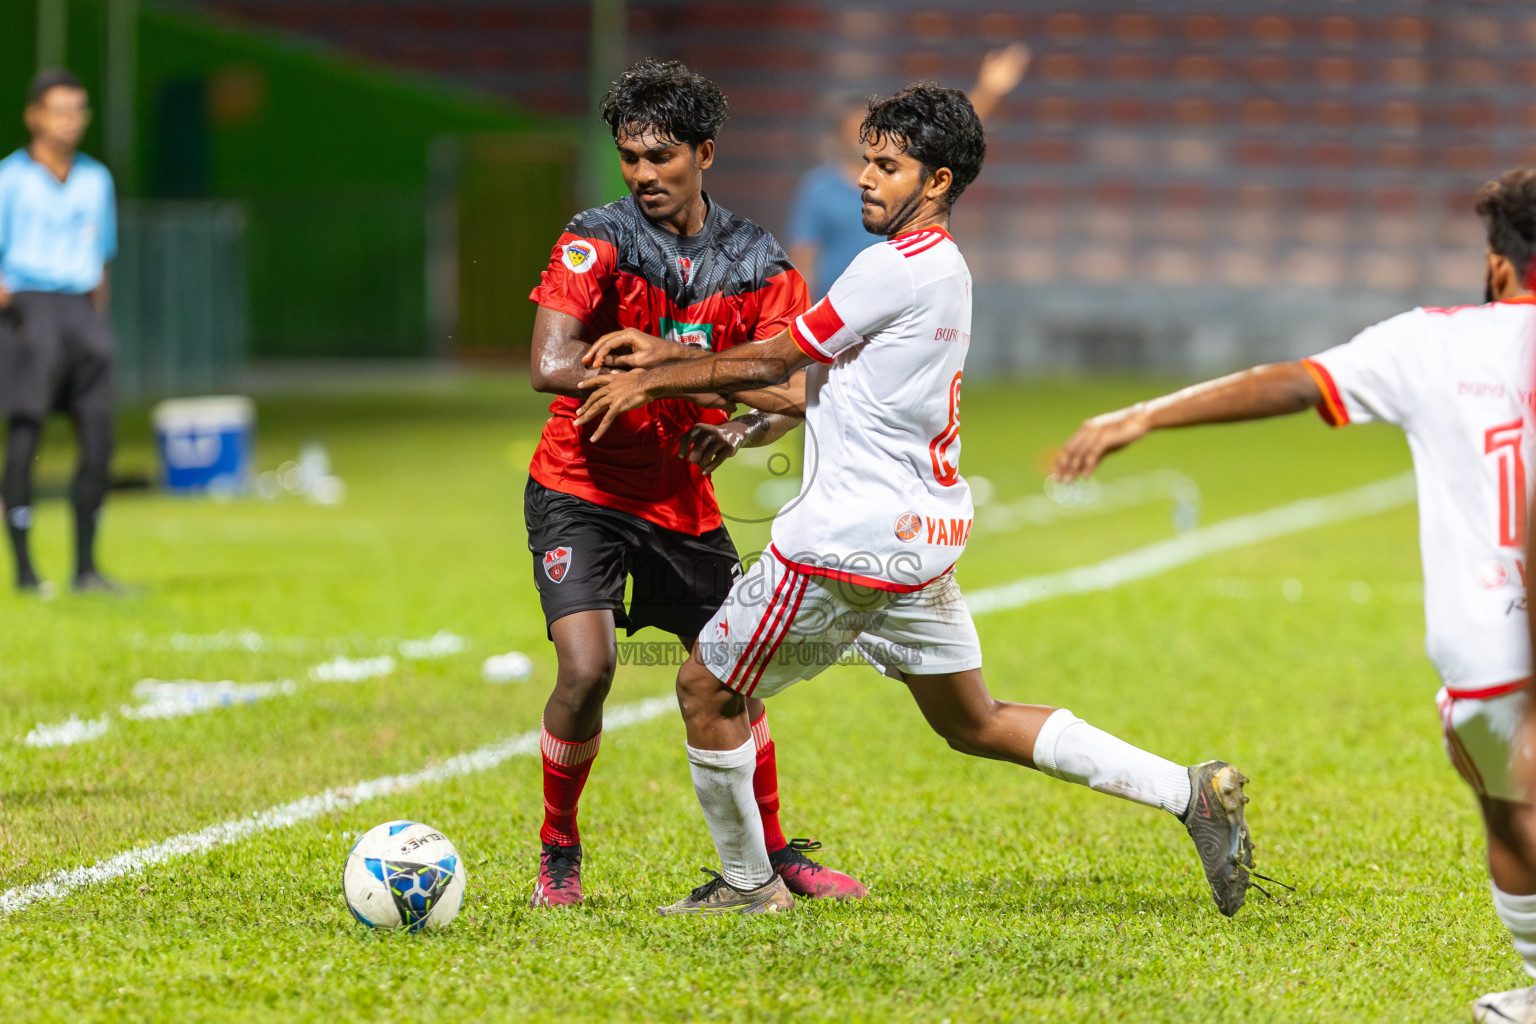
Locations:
(1070, 749)
(1519, 915)
(723, 781)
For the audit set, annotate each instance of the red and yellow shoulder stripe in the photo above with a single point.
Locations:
(1333, 410)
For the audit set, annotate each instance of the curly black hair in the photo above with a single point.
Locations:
(937, 125)
(50, 78)
(667, 97)
(1507, 206)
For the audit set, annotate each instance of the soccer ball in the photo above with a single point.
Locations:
(403, 874)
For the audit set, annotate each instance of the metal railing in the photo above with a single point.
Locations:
(178, 297)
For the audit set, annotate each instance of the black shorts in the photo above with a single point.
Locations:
(582, 553)
(56, 354)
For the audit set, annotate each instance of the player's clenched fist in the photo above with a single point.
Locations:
(1096, 438)
(708, 445)
(635, 350)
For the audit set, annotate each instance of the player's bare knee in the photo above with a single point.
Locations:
(584, 678)
(700, 696)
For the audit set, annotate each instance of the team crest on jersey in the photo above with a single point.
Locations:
(1493, 575)
(908, 525)
(698, 335)
(557, 563)
(579, 256)
(685, 267)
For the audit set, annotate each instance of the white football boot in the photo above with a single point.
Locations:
(1517, 1006)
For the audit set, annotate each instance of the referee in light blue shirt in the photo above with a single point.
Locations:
(58, 231)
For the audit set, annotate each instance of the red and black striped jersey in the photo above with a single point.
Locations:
(728, 284)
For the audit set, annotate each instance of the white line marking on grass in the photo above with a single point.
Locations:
(62, 883)
(1091, 497)
(439, 645)
(68, 732)
(349, 670)
(182, 697)
(1382, 496)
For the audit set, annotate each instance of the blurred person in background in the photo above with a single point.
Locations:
(58, 231)
(826, 225)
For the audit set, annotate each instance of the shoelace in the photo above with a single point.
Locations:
(560, 867)
(710, 887)
(794, 855)
(1252, 874)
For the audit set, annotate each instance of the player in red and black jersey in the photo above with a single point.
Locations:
(665, 261)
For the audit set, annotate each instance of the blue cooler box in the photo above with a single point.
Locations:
(205, 444)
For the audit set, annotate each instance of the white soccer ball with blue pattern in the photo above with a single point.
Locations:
(403, 874)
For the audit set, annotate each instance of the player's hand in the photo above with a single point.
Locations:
(612, 395)
(634, 350)
(5, 298)
(1002, 70)
(708, 445)
(1096, 438)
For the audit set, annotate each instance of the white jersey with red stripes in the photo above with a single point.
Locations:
(1459, 383)
(883, 503)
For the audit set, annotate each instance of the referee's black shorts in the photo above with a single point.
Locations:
(56, 354)
(582, 553)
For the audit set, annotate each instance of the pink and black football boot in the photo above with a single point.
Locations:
(805, 877)
(559, 883)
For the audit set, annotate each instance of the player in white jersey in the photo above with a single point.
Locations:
(864, 557)
(1459, 384)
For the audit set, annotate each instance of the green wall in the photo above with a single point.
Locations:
(327, 154)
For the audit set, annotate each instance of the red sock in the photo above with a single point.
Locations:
(566, 765)
(765, 786)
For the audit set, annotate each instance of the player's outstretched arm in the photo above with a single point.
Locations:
(1278, 389)
(750, 367)
(787, 399)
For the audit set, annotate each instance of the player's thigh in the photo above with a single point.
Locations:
(926, 632)
(579, 559)
(679, 579)
(1480, 738)
(775, 628)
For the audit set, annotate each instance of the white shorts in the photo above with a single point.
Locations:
(1480, 735)
(779, 626)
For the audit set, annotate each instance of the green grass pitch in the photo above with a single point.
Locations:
(997, 894)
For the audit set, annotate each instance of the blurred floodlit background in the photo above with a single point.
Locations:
(1175, 186)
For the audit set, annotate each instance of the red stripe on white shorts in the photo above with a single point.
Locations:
(789, 620)
(762, 624)
(1488, 692)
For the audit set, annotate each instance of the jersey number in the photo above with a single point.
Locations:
(1504, 440)
(945, 470)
